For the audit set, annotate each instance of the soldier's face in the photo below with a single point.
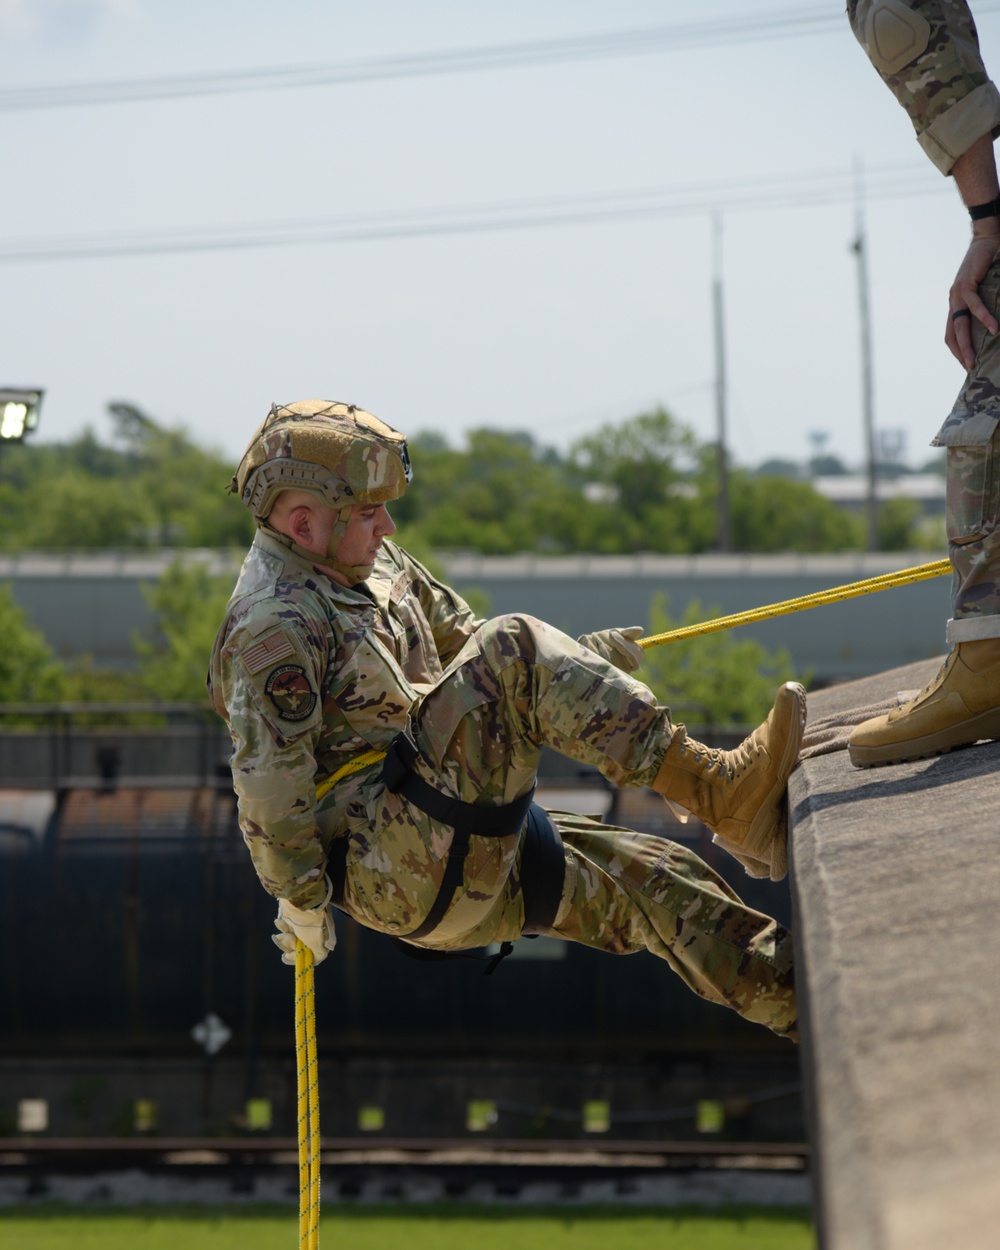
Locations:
(367, 525)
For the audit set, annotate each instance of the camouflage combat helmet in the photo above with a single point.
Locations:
(335, 451)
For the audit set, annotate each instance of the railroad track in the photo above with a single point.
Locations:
(431, 1154)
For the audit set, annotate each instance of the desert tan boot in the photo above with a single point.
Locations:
(960, 706)
(740, 794)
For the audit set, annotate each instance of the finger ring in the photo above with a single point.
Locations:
(961, 312)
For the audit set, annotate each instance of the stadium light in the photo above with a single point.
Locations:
(18, 412)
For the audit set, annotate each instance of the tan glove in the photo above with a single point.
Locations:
(313, 926)
(617, 646)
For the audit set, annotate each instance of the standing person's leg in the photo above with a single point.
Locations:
(962, 703)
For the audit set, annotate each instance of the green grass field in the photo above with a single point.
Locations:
(438, 1227)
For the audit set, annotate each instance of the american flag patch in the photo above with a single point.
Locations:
(267, 651)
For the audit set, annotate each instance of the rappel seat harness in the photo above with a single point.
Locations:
(543, 863)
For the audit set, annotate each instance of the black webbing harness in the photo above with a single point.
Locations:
(543, 864)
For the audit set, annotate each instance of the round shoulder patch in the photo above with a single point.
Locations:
(289, 690)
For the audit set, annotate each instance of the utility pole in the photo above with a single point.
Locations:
(724, 540)
(859, 248)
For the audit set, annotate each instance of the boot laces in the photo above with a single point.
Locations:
(938, 678)
(742, 758)
(730, 764)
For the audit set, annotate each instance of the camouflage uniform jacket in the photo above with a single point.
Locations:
(927, 52)
(309, 674)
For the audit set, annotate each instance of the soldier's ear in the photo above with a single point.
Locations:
(300, 524)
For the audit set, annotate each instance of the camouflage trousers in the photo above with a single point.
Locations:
(971, 435)
(516, 686)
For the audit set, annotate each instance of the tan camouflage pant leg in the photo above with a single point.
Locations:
(973, 488)
(632, 891)
(518, 685)
(971, 435)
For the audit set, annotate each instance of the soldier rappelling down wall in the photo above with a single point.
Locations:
(927, 52)
(385, 745)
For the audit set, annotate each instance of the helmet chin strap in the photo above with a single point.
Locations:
(354, 573)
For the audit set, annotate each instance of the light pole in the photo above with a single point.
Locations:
(860, 249)
(19, 411)
(718, 311)
(19, 408)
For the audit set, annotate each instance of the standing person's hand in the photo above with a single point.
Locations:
(964, 302)
(975, 174)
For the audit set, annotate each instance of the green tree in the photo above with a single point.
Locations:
(185, 486)
(644, 484)
(29, 672)
(642, 457)
(898, 521)
(188, 604)
(779, 514)
(88, 683)
(712, 679)
(779, 467)
(155, 488)
(650, 464)
(72, 510)
(502, 494)
(827, 465)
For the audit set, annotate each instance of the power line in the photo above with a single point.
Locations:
(799, 189)
(654, 39)
(791, 190)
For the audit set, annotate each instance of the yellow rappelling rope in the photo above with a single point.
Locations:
(884, 582)
(345, 770)
(308, 1097)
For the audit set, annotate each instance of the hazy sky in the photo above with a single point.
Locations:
(555, 328)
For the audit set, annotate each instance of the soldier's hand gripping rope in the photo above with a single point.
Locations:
(312, 926)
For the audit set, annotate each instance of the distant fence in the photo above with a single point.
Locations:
(67, 746)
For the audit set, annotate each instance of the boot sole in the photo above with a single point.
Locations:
(986, 725)
(770, 809)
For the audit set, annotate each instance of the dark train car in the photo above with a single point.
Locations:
(141, 992)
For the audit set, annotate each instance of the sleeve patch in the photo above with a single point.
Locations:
(268, 651)
(289, 690)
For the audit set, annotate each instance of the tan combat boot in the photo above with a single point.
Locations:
(960, 706)
(740, 794)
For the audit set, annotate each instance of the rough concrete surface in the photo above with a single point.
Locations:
(896, 889)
